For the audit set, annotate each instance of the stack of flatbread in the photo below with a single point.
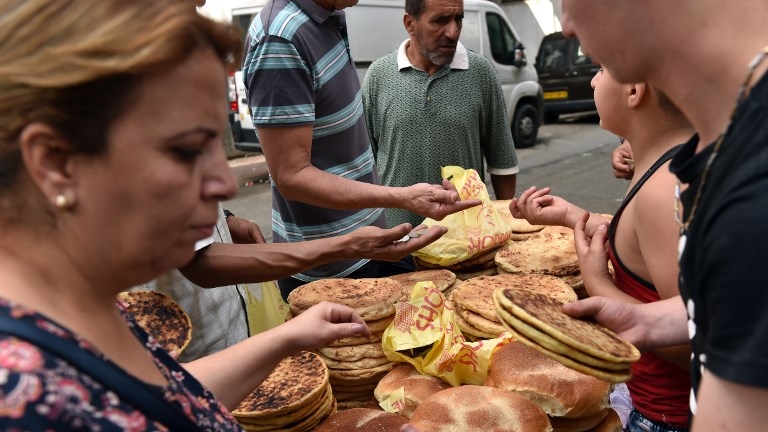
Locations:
(355, 364)
(444, 280)
(478, 265)
(473, 300)
(537, 321)
(574, 402)
(161, 317)
(550, 251)
(296, 396)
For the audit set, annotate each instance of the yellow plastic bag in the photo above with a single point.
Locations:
(470, 232)
(266, 311)
(424, 333)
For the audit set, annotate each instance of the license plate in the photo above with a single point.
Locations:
(556, 95)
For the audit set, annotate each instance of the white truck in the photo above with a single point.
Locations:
(375, 27)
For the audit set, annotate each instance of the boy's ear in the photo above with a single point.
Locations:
(636, 94)
(48, 158)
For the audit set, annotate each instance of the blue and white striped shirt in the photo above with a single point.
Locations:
(298, 71)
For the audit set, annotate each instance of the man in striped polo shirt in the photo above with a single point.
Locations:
(306, 104)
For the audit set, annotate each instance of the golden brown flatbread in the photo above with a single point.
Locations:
(550, 251)
(161, 317)
(442, 279)
(362, 420)
(476, 294)
(517, 225)
(297, 381)
(544, 313)
(372, 298)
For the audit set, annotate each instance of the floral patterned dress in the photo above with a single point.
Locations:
(41, 392)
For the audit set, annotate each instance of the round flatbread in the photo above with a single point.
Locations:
(476, 295)
(550, 251)
(544, 314)
(297, 381)
(161, 317)
(372, 298)
(442, 279)
(353, 352)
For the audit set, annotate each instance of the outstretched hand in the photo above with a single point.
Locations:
(539, 208)
(385, 245)
(323, 323)
(436, 201)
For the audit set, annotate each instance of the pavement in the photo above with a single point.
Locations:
(249, 168)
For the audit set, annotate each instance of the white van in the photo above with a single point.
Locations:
(375, 27)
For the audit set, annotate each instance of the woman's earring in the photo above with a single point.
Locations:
(62, 203)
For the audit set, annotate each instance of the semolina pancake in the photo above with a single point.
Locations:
(479, 408)
(161, 317)
(357, 381)
(462, 276)
(372, 298)
(357, 340)
(309, 423)
(479, 261)
(544, 313)
(559, 390)
(286, 418)
(556, 346)
(476, 295)
(550, 251)
(297, 381)
(489, 327)
(468, 329)
(614, 376)
(345, 405)
(353, 352)
(362, 373)
(520, 236)
(362, 420)
(442, 279)
(379, 325)
(362, 363)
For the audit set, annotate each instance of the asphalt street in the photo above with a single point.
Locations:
(572, 157)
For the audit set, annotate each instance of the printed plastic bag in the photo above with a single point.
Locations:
(424, 333)
(266, 309)
(470, 232)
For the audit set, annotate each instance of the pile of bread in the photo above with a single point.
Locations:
(296, 397)
(357, 364)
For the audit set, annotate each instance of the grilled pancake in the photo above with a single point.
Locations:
(161, 317)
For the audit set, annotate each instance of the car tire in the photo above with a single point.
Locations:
(525, 125)
(550, 117)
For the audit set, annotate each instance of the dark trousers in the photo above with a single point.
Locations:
(373, 269)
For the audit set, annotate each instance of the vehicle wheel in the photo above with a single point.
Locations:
(550, 117)
(525, 125)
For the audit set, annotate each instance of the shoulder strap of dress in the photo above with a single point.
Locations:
(109, 375)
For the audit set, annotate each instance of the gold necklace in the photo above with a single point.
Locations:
(743, 92)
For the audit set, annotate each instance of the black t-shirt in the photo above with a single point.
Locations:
(724, 261)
